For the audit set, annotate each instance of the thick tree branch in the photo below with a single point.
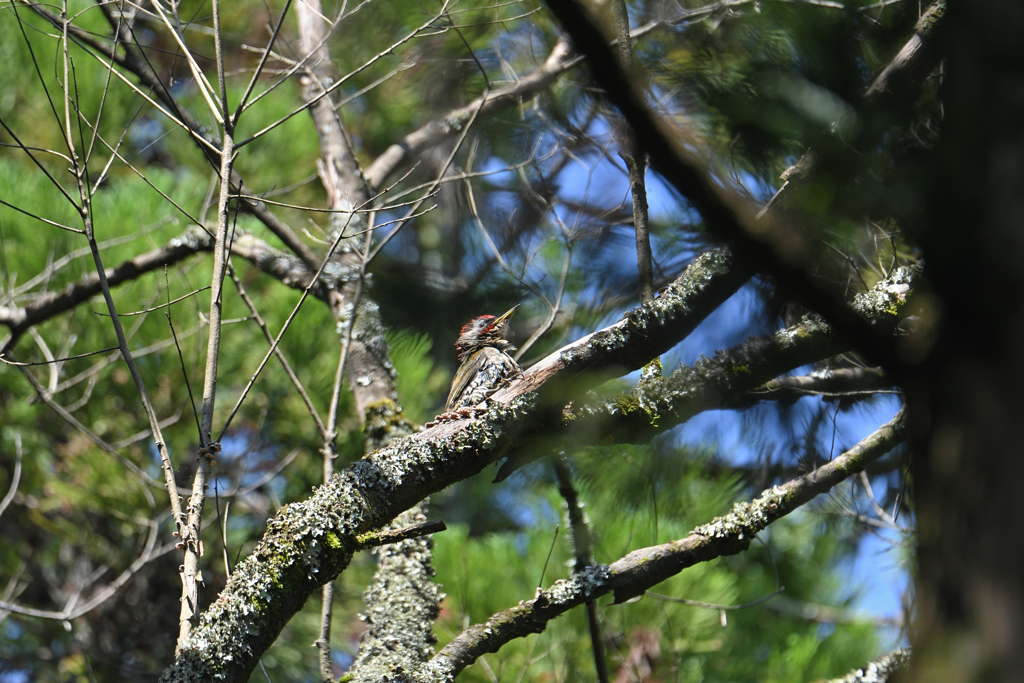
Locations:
(642, 569)
(309, 543)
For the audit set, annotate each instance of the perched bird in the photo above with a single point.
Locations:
(484, 364)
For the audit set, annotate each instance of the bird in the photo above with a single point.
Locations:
(484, 363)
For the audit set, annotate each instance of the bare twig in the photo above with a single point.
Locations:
(15, 476)
(85, 211)
(277, 352)
(635, 159)
(208, 449)
(583, 558)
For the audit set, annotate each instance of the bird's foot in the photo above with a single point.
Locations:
(460, 414)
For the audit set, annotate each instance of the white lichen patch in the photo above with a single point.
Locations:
(746, 520)
(579, 587)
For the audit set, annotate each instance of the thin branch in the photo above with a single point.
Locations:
(52, 360)
(242, 103)
(580, 529)
(375, 539)
(85, 211)
(47, 221)
(710, 605)
(208, 449)
(163, 305)
(254, 314)
(641, 569)
(15, 476)
(635, 160)
(284, 328)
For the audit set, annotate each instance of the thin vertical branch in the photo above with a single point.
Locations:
(84, 209)
(323, 642)
(207, 448)
(330, 454)
(583, 558)
(15, 476)
(636, 163)
(219, 51)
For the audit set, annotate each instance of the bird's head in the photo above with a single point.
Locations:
(487, 330)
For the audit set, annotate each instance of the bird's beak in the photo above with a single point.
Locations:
(501, 319)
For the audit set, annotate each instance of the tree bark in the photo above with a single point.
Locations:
(966, 403)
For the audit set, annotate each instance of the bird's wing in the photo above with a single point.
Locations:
(467, 370)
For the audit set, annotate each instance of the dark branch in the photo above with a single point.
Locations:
(767, 246)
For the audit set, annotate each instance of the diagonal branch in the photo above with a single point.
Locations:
(769, 246)
(660, 403)
(19, 319)
(310, 542)
(641, 569)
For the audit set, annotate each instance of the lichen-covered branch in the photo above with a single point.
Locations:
(642, 569)
(657, 404)
(310, 542)
(880, 670)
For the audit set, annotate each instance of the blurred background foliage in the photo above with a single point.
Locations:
(536, 202)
